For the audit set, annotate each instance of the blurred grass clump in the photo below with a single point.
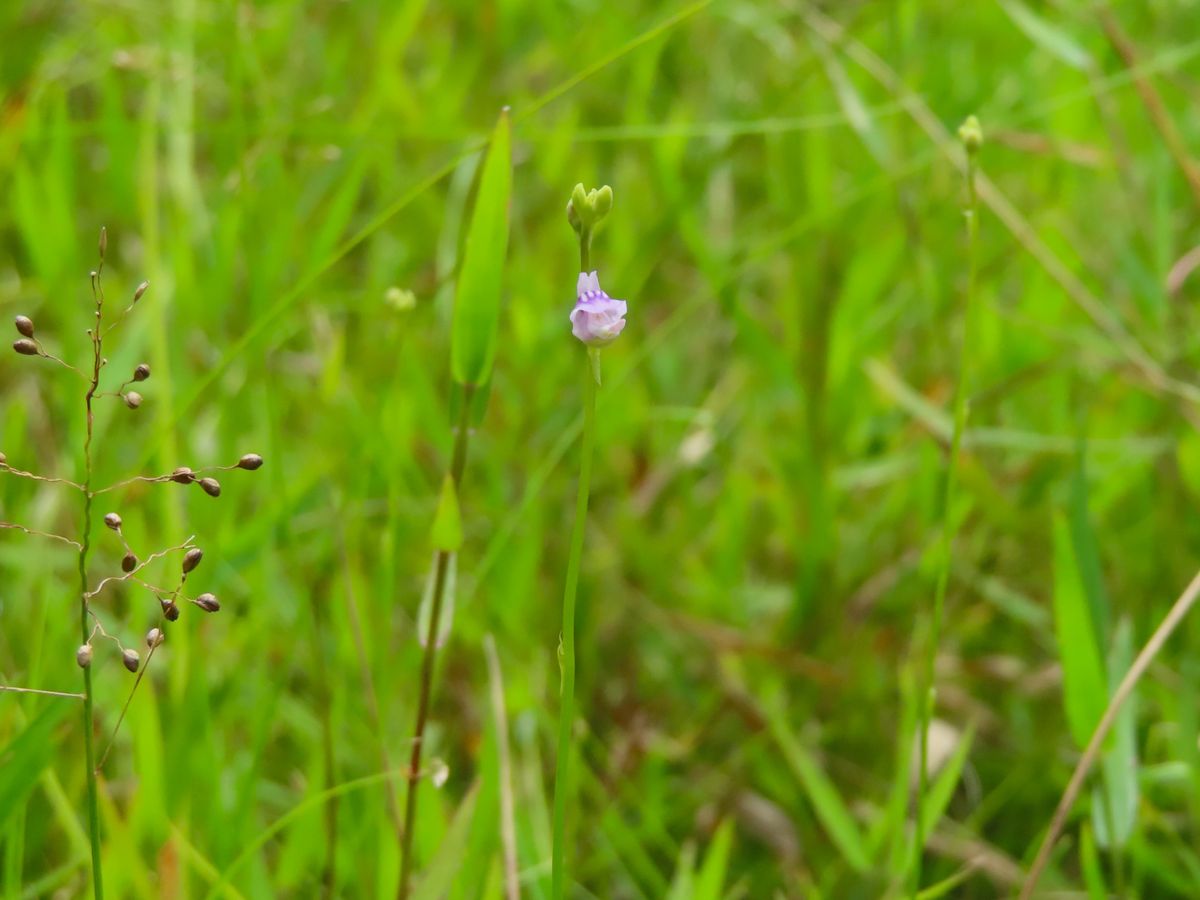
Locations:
(295, 180)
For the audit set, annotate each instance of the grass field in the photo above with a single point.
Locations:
(767, 520)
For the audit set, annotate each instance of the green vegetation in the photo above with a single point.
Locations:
(300, 184)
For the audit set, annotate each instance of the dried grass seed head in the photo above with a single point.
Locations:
(250, 462)
(211, 486)
(191, 559)
(141, 290)
(25, 347)
(208, 603)
(142, 372)
(131, 659)
(83, 656)
(133, 399)
(170, 610)
(154, 637)
(24, 325)
(183, 475)
(113, 521)
(128, 563)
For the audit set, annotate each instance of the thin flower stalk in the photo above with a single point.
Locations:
(971, 138)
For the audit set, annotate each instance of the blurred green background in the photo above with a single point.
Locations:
(294, 181)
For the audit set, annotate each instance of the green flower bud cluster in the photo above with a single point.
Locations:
(587, 209)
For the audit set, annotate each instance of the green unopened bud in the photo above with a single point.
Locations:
(602, 201)
(971, 135)
(587, 209)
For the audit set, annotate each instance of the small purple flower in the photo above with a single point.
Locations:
(597, 318)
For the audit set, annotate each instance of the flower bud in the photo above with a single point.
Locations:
(133, 399)
(154, 637)
(83, 656)
(971, 135)
(24, 325)
(128, 563)
(141, 289)
(170, 610)
(131, 659)
(250, 462)
(602, 201)
(141, 373)
(183, 475)
(191, 559)
(208, 603)
(211, 486)
(113, 521)
(25, 347)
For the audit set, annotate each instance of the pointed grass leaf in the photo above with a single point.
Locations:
(480, 279)
(830, 809)
(1115, 795)
(447, 532)
(441, 873)
(711, 880)
(1085, 687)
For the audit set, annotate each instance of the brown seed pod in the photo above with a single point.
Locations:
(24, 325)
(83, 656)
(154, 637)
(208, 603)
(211, 486)
(170, 610)
(141, 373)
(128, 563)
(191, 559)
(183, 475)
(113, 521)
(133, 399)
(141, 289)
(131, 659)
(250, 462)
(25, 347)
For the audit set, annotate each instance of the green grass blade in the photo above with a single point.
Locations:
(1085, 688)
(26, 755)
(828, 805)
(481, 278)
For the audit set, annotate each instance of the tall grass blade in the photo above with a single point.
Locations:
(480, 280)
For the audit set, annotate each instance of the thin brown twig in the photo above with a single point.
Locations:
(194, 474)
(45, 534)
(21, 473)
(186, 545)
(24, 690)
(112, 738)
(1151, 99)
(1179, 609)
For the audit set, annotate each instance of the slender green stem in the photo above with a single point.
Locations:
(566, 713)
(927, 698)
(441, 568)
(585, 250)
(89, 751)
